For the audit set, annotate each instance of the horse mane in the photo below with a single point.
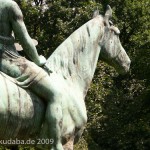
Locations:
(70, 59)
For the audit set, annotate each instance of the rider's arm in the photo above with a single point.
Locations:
(21, 32)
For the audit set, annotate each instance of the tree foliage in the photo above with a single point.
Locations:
(118, 106)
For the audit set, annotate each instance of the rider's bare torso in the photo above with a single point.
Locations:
(11, 19)
(5, 26)
(11, 63)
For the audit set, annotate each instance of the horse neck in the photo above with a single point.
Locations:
(88, 56)
(76, 58)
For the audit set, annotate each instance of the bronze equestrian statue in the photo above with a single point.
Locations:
(37, 105)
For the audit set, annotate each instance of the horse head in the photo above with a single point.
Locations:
(112, 51)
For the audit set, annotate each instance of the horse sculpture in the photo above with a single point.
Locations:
(73, 64)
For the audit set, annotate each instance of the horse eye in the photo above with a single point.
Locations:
(112, 32)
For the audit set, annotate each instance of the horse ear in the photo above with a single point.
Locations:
(108, 15)
(96, 13)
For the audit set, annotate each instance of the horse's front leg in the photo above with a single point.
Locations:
(69, 144)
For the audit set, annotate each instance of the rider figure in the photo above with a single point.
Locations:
(25, 72)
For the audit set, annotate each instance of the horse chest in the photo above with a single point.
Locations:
(74, 115)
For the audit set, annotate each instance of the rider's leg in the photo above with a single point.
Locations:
(47, 89)
(54, 120)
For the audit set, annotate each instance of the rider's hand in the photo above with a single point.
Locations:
(42, 60)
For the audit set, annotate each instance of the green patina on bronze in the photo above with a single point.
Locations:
(52, 106)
